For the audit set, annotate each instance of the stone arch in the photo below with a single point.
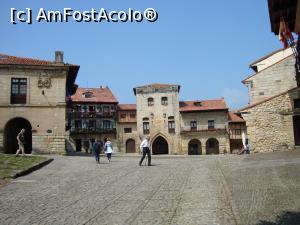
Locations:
(160, 145)
(194, 147)
(212, 146)
(11, 130)
(130, 146)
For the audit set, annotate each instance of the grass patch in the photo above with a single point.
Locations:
(10, 164)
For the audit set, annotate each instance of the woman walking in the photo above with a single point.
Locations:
(108, 149)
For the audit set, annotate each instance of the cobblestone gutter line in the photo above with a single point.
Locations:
(31, 169)
(231, 202)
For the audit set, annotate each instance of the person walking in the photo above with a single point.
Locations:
(21, 142)
(145, 149)
(108, 149)
(96, 150)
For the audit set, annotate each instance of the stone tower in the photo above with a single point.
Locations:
(158, 116)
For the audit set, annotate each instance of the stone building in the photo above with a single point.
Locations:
(174, 127)
(128, 139)
(93, 115)
(236, 127)
(34, 95)
(272, 116)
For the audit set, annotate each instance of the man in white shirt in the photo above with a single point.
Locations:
(145, 149)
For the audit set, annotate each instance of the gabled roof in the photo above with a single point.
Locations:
(127, 107)
(97, 95)
(234, 118)
(15, 60)
(202, 105)
(250, 76)
(252, 65)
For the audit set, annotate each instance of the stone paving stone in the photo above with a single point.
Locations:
(223, 190)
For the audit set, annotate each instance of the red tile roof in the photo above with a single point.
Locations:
(206, 105)
(234, 118)
(13, 60)
(98, 95)
(127, 107)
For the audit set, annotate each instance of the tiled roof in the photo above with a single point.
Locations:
(127, 107)
(13, 60)
(98, 95)
(233, 118)
(206, 105)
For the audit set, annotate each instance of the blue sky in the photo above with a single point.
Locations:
(205, 46)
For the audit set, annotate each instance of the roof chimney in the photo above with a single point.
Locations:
(59, 57)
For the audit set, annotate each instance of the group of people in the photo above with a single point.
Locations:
(108, 149)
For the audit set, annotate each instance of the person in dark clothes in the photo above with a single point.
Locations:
(145, 149)
(96, 150)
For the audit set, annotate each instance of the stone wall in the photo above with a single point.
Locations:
(270, 124)
(273, 80)
(124, 137)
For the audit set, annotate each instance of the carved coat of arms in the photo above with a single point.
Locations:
(44, 81)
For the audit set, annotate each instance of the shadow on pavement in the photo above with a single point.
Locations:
(286, 218)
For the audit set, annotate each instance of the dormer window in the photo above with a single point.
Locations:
(88, 94)
(150, 101)
(198, 104)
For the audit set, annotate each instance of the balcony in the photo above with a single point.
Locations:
(92, 114)
(203, 128)
(92, 130)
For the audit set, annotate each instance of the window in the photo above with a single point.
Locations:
(18, 91)
(127, 130)
(150, 101)
(132, 115)
(92, 108)
(106, 108)
(92, 124)
(297, 103)
(123, 116)
(261, 93)
(164, 101)
(238, 131)
(198, 104)
(146, 128)
(88, 94)
(78, 123)
(84, 108)
(107, 124)
(77, 108)
(211, 124)
(171, 124)
(98, 108)
(194, 125)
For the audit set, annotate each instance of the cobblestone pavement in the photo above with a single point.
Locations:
(176, 190)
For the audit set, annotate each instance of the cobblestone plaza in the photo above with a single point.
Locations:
(221, 189)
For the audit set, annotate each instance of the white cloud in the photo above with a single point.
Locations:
(235, 98)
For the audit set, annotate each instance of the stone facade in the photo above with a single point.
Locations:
(42, 108)
(270, 123)
(278, 77)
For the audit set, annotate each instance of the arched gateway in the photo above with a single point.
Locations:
(160, 146)
(12, 128)
(195, 147)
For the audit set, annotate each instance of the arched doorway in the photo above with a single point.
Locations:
(130, 146)
(12, 128)
(160, 146)
(195, 147)
(212, 146)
